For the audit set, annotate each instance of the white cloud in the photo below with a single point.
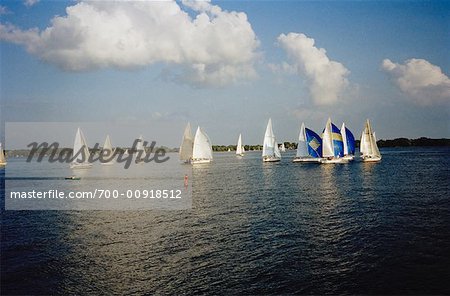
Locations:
(422, 81)
(215, 47)
(326, 79)
(29, 3)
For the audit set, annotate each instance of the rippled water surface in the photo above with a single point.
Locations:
(254, 228)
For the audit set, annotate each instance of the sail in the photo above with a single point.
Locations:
(283, 148)
(107, 145)
(239, 148)
(302, 149)
(327, 140)
(186, 144)
(2, 155)
(338, 144)
(350, 140)
(376, 151)
(202, 146)
(314, 143)
(269, 140)
(365, 147)
(276, 151)
(80, 148)
(140, 144)
(344, 139)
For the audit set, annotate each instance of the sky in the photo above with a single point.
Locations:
(228, 66)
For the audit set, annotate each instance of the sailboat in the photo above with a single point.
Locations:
(187, 145)
(348, 141)
(2, 156)
(240, 148)
(282, 148)
(332, 145)
(308, 146)
(202, 151)
(271, 153)
(368, 145)
(107, 152)
(140, 151)
(81, 151)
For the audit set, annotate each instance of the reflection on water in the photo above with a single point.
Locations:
(256, 229)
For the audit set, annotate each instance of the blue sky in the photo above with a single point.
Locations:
(293, 61)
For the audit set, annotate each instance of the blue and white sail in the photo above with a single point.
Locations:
(348, 140)
(314, 143)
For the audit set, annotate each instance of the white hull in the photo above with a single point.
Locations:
(3, 164)
(306, 159)
(371, 158)
(200, 161)
(333, 160)
(80, 165)
(271, 159)
(348, 157)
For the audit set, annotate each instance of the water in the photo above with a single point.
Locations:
(254, 229)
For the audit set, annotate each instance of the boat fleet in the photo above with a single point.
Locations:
(334, 146)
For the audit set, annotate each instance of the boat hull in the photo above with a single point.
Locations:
(306, 159)
(348, 157)
(333, 160)
(271, 159)
(200, 161)
(76, 166)
(371, 159)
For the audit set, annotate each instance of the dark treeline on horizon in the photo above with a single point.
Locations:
(399, 142)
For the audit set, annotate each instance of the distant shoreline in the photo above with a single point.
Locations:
(398, 142)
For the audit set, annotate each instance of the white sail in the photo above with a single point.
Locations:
(2, 156)
(271, 153)
(302, 149)
(239, 148)
(81, 150)
(107, 150)
(344, 138)
(202, 150)
(140, 144)
(277, 151)
(327, 140)
(269, 140)
(376, 151)
(186, 144)
(283, 148)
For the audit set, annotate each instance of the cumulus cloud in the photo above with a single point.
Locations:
(326, 78)
(212, 47)
(422, 81)
(29, 3)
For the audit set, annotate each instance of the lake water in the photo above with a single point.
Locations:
(254, 228)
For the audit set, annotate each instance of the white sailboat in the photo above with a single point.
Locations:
(107, 151)
(2, 156)
(240, 148)
(202, 150)
(368, 145)
(187, 145)
(271, 153)
(81, 151)
(330, 153)
(303, 155)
